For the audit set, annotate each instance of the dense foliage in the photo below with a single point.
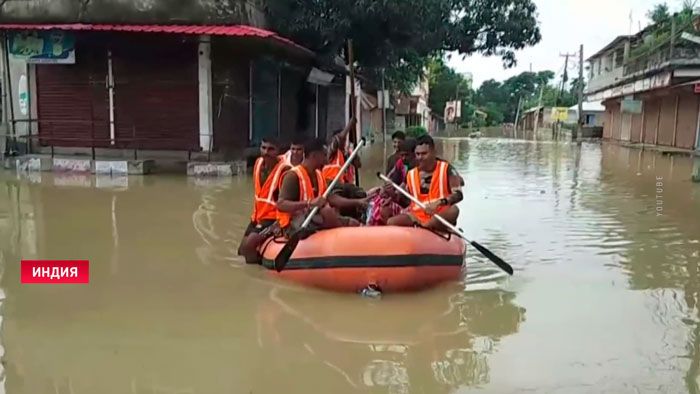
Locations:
(499, 100)
(403, 36)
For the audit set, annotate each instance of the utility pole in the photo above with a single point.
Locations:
(537, 112)
(517, 117)
(579, 126)
(563, 86)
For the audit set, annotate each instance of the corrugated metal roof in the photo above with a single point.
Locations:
(236, 30)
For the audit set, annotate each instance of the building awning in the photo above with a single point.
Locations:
(213, 30)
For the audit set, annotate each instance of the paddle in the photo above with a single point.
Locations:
(495, 259)
(286, 252)
(353, 103)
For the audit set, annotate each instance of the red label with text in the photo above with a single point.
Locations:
(55, 271)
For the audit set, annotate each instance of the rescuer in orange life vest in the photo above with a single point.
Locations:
(436, 184)
(295, 154)
(302, 189)
(355, 199)
(267, 175)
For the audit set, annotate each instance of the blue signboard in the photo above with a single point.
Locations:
(43, 46)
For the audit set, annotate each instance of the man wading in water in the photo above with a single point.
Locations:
(436, 184)
(267, 174)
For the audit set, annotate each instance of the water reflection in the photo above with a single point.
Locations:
(605, 291)
(393, 345)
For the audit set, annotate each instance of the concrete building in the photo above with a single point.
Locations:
(86, 96)
(413, 110)
(648, 89)
(593, 114)
(544, 118)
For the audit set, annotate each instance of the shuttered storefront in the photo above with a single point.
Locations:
(230, 98)
(156, 97)
(72, 101)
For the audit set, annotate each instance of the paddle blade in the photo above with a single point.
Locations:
(495, 259)
(286, 252)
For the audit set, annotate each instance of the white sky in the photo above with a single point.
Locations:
(565, 25)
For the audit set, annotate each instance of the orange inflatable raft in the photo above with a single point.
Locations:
(389, 258)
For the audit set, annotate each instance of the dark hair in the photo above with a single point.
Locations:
(425, 140)
(298, 140)
(407, 145)
(338, 131)
(398, 134)
(271, 140)
(314, 145)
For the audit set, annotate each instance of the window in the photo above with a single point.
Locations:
(619, 57)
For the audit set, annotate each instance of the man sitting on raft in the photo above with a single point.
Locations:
(436, 184)
(267, 173)
(353, 200)
(295, 154)
(302, 189)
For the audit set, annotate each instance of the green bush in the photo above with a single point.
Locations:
(416, 131)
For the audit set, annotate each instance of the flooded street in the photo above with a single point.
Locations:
(604, 298)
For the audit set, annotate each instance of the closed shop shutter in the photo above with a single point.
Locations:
(667, 120)
(687, 120)
(156, 97)
(637, 120)
(617, 121)
(72, 101)
(608, 122)
(651, 119)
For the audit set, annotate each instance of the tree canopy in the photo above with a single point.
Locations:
(403, 36)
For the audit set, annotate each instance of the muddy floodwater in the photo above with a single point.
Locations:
(604, 298)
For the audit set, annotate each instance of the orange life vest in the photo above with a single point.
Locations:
(439, 189)
(333, 168)
(287, 158)
(306, 191)
(265, 206)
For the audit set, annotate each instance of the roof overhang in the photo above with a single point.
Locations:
(212, 30)
(610, 45)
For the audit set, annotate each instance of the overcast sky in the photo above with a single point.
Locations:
(564, 25)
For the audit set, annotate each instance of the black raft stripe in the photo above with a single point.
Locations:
(430, 260)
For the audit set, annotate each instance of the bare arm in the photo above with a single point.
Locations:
(289, 195)
(340, 202)
(456, 182)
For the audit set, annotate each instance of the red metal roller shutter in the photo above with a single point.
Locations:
(156, 97)
(72, 100)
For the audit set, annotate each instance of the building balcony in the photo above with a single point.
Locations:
(666, 55)
(603, 80)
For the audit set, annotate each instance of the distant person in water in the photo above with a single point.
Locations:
(436, 184)
(267, 174)
(295, 154)
(396, 138)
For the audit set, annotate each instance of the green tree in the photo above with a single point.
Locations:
(659, 14)
(401, 36)
(445, 85)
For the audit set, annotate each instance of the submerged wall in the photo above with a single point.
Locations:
(248, 12)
